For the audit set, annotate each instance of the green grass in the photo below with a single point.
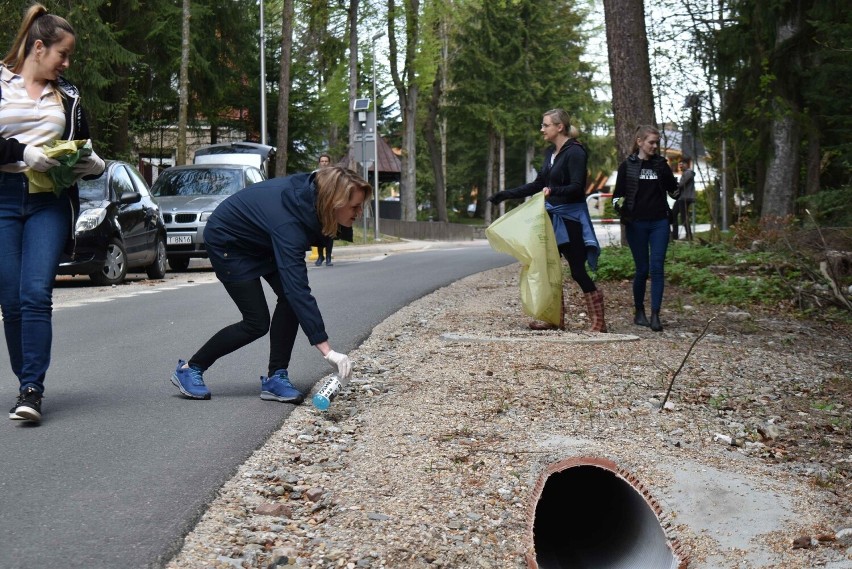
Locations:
(714, 273)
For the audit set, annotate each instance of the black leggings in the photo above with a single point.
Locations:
(328, 245)
(250, 300)
(575, 253)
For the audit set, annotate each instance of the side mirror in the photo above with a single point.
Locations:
(128, 198)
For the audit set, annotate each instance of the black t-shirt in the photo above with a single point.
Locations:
(650, 201)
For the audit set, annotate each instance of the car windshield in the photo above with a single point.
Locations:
(198, 182)
(93, 190)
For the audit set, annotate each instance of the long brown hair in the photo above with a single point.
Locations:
(38, 24)
(643, 131)
(335, 185)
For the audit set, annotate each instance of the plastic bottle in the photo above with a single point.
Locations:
(323, 398)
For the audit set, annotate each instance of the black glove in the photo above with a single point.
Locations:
(496, 198)
(616, 205)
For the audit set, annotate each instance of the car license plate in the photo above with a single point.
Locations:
(179, 240)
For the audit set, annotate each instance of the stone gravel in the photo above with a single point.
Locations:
(430, 455)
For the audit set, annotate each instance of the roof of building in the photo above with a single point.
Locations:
(682, 143)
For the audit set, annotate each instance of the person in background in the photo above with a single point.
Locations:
(681, 213)
(562, 178)
(643, 181)
(262, 232)
(37, 106)
(327, 243)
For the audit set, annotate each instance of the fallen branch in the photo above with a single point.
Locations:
(689, 351)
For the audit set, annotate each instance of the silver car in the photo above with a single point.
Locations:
(188, 195)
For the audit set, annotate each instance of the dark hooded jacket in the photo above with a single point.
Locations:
(566, 177)
(650, 203)
(266, 228)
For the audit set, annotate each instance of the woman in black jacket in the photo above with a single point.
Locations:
(563, 180)
(639, 198)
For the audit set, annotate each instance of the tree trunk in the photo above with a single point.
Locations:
(282, 134)
(183, 86)
(529, 167)
(408, 191)
(489, 175)
(629, 70)
(782, 168)
(814, 159)
(407, 90)
(435, 148)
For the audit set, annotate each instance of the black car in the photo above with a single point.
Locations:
(120, 227)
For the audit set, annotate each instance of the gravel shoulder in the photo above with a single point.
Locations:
(430, 455)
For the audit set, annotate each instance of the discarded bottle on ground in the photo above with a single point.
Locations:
(323, 398)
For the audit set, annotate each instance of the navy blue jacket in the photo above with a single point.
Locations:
(267, 227)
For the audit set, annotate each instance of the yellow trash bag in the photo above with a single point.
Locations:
(527, 234)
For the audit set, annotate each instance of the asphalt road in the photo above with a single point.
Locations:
(122, 466)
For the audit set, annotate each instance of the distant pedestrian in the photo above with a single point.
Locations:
(643, 181)
(327, 243)
(37, 106)
(683, 204)
(562, 178)
(262, 232)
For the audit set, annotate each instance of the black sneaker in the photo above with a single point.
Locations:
(28, 406)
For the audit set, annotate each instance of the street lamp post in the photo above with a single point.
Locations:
(375, 142)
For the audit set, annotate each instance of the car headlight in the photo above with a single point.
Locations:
(90, 219)
(205, 215)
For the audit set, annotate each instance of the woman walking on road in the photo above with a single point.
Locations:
(643, 181)
(37, 106)
(262, 232)
(327, 244)
(562, 178)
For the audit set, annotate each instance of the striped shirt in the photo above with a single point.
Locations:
(28, 121)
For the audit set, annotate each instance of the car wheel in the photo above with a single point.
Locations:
(179, 264)
(115, 266)
(157, 269)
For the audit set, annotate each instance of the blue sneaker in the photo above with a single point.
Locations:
(189, 381)
(278, 388)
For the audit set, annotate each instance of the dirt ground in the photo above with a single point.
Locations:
(431, 456)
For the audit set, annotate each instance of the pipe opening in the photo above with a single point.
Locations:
(588, 516)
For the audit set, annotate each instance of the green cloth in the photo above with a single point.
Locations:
(59, 178)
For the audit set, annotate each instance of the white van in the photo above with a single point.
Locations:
(245, 153)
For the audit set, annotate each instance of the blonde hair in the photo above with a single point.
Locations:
(560, 116)
(38, 24)
(335, 186)
(643, 131)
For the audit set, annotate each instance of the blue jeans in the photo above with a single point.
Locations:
(33, 232)
(648, 242)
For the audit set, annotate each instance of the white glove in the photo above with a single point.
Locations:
(342, 361)
(91, 165)
(37, 160)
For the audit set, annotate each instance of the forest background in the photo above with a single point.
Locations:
(766, 85)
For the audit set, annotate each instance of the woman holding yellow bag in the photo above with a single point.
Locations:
(562, 178)
(37, 107)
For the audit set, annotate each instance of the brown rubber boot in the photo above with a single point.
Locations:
(595, 308)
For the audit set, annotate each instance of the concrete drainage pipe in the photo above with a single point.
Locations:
(588, 513)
